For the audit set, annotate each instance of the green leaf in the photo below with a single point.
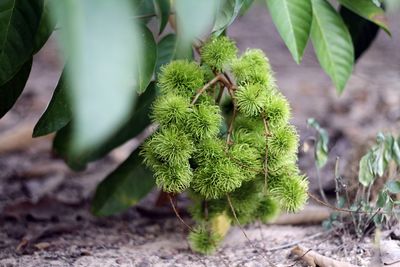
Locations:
(332, 43)
(227, 12)
(365, 175)
(393, 186)
(383, 199)
(124, 187)
(321, 146)
(146, 68)
(162, 9)
(19, 21)
(247, 4)
(193, 19)
(104, 49)
(396, 151)
(362, 31)
(138, 120)
(166, 50)
(293, 20)
(11, 90)
(369, 11)
(58, 112)
(45, 28)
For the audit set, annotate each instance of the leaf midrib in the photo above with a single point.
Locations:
(286, 9)
(328, 51)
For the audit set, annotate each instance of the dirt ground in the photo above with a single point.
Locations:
(45, 218)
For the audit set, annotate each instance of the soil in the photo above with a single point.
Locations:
(45, 218)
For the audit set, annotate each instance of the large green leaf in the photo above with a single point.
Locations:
(368, 10)
(45, 28)
(19, 21)
(11, 90)
(293, 20)
(57, 114)
(165, 50)
(193, 19)
(138, 120)
(227, 12)
(393, 186)
(162, 9)
(124, 187)
(362, 31)
(104, 49)
(146, 68)
(332, 43)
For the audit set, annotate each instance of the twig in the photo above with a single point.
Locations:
(206, 86)
(177, 213)
(294, 243)
(230, 129)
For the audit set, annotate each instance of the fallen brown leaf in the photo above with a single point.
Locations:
(315, 259)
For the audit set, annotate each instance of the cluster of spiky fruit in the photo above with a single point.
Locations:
(237, 166)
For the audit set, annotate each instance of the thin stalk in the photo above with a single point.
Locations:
(177, 213)
(266, 128)
(321, 189)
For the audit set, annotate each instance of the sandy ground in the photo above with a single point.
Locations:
(59, 230)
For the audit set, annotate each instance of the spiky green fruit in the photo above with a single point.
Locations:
(171, 109)
(209, 150)
(204, 121)
(291, 193)
(181, 77)
(171, 145)
(173, 178)
(203, 240)
(214, 179)
(247, 158)
(253, 68)
(267, 209)
(277, 110)
(251, 99)
(283, 140)
(218, 52)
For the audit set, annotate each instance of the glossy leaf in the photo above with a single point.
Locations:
(124, 187)
(368, 10)
(393, 186)
(162, 9)
(19, 21)
(165, 50)
(45, 28)
(365, 175)
(227, 12)
(193, 20)
(146, 67)
(362, 31)
(57, 114)
(332, 43)
(293, 20)
(11, 90)
(104, 49)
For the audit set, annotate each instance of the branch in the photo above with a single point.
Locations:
(206, 86)
(266, 154)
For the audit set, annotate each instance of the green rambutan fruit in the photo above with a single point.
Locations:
(214, 179)
(204, 121)
(171, 145)
(203, 210)
(284, 140)
(218, 52)
(287, 169)
(267, 209)
(181, 77)
(253, 68)
(203, 240)
(254, 139)
(277, 110)
(291, 192)
(171, 109)
(173, 178)
(209, 150)
(253, 124)
(247, 158)
(251, 99)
